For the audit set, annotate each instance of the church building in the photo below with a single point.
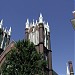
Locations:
(39, 33)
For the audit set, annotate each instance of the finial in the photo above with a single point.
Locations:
(47, 24)
(27, 20)
(36, 21)
(1, 23)
(27, 23)
(40, 14)
(5, 30)
(48, 27)
(40, 18)
(10, 29)
(9, 32)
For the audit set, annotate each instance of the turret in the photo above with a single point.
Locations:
(71, 68)
(49, 51)
(4, 36)
(41, 33)
(38, 32)
(26, 29)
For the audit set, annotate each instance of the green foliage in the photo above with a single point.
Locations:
(23, 60)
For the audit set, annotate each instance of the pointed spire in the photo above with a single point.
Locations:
(48, 27)
(40, 14)
(10, 29)
(47, 24)
(9, 32)
(68, 72)
(36, 21)
(5, 30)
(27, 23)
(1, 23)
(40, 18)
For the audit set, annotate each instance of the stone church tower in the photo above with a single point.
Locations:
(4, 37)
(38, 32)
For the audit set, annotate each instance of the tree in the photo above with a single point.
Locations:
(23, 59)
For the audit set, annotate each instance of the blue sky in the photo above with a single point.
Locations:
(57, 12)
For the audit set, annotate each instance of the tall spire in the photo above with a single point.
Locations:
(40, 18)
(68, 72)
(1, 23)
(27, 23)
